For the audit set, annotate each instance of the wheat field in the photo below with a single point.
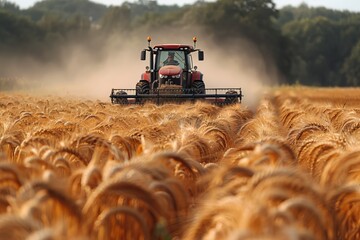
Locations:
(83, 169)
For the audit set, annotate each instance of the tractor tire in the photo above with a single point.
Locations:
(142, 87)
(122, 101)
(231, 99)
(198, 87)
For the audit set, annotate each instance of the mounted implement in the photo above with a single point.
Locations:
(171, 77)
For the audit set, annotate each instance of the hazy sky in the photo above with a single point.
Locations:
(352, 5)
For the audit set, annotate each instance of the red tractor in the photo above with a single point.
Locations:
(171, 77)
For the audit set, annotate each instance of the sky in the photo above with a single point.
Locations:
(351, 5)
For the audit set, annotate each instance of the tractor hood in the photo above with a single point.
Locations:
(170, 70)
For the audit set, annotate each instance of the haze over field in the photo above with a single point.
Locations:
(81, 74)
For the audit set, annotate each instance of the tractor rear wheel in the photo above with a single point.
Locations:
(142, 87)
(198, 87)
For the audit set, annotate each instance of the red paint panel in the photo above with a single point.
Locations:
(170, 70)
(145, 76)
(196, 75)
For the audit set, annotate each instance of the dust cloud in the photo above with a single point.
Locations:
(81, 73)
(239, 65)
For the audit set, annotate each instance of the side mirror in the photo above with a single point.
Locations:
(143, 55)
(201, 55)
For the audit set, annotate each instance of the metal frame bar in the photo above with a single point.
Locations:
(190, 94)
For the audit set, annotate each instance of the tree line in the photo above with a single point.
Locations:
(309, 46)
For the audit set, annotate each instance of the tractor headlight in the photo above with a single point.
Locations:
(166, 76)
(176, 76)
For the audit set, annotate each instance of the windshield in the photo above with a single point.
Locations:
(171, 57)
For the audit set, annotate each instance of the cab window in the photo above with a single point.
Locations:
(170, 57)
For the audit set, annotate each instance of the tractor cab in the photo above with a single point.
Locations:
(171, 64)
(171, 57)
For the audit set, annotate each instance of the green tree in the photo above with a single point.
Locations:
(231, 20)
(322, 39)
(116, 19)
(290, 13)
(18, 34)
(67, 8)
(349, 34)
(53, 23)
(351, 67)
(316, 46)
(77, 25)
(9, 6)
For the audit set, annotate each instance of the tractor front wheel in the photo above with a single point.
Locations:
(142, 87)
(198, 87)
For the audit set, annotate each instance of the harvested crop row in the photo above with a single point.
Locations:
(84, 169)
